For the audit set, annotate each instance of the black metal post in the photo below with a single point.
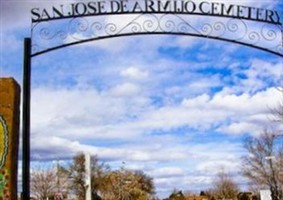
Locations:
(26, 120)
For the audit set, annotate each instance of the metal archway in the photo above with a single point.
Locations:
(55, 34)
(60, 28)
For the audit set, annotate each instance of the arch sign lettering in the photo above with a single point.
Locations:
(72, 23)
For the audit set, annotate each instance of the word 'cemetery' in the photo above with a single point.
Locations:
(100, 7)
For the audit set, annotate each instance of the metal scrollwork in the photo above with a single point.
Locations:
(135, 27)
(219, 28)
(167, 23)
(238, 28)
(96, 29)
(206, 29)
(151, 24)
(270, 32)
(111, 29)
(77, 29)
(78, 25)
(47, 36)
(254, 37)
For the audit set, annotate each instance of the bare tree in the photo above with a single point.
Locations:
(62, 180)
(127, 185)
(43, 183)
(263, 163)
(110, 185)
(224, 186)
(177, 195)
(145, 182)
(76, 174)
(99, 171)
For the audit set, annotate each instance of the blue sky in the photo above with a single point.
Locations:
(176, 107)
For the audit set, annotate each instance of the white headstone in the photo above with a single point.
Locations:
(265, 195)
(88, 176)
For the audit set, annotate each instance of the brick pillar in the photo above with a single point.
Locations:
(9, 137)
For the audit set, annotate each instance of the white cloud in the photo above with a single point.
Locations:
(125, 90)
(134, 73)
(242, 127)
(122, 113)
(165, 172)
(262, 70)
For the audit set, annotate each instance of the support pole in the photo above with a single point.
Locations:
(26, 121)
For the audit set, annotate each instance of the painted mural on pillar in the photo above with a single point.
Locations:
(9, 137)
(4, 174)
(3, 141)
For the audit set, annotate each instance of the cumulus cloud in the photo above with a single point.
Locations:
(125, 109)
(134, 73)
(240, 128)
(126, 89)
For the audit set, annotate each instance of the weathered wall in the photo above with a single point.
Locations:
(9, 137)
